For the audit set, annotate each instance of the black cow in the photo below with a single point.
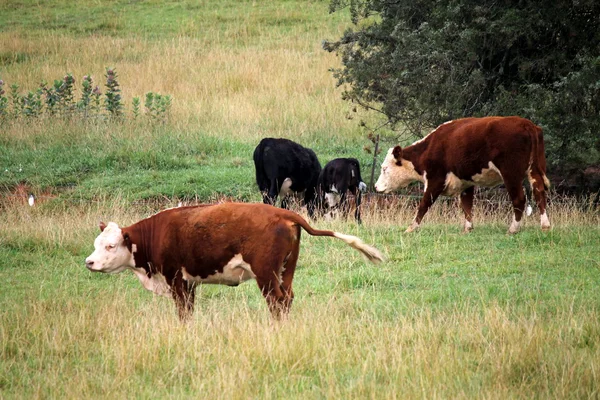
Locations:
(284, 167)
(337, 178)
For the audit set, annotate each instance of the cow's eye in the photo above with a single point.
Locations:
(111, 246)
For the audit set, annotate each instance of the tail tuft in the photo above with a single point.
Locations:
(370, 252)
(546, 182)
(529, 210)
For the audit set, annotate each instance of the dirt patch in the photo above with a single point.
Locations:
(22, 194)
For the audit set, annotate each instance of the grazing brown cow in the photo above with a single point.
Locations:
(460, 154)
(228, 243)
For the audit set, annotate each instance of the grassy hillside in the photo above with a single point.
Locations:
(246, 70)
(484, 315)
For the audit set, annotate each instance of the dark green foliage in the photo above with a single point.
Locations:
(86, 95)
(112, 99)
(64, 92)
(424, 62)
(3, 101)
(51, 96)
(32, 103)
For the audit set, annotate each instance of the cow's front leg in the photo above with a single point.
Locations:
(432, 192)
(270, 197)
(310, 199)
(357, 194)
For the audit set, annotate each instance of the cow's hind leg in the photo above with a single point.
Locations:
(517, 196)
(287, 276)
(538, 187)
(271, 290)
(466, 203)
(276, 272)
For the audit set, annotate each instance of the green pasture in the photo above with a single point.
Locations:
(447, 315)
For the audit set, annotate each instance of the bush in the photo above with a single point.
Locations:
(424, 62)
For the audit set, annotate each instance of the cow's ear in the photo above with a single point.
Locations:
(127, 240)
(397, 152)
(102, 226)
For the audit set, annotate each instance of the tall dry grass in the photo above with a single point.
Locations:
(271, 86)
(65, 332)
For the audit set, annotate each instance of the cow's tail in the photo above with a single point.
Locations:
(370, 252)
(538, 156)
(537, 160)
(259, 167)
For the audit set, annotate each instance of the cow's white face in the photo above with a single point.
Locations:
(111, 254)
(394, 176)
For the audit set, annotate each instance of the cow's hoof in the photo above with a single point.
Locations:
(467, 230)
(546, 228)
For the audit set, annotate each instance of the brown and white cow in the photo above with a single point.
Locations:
(228, 243)
(459, 155)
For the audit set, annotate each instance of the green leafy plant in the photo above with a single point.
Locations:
(157, 106)
(32, 103)
(95, 96)
(58, 100)
(50, 96)
(3, 101)
(84, 104)
(135, 102)
(112, 99)
(66, 103)
(15, 99)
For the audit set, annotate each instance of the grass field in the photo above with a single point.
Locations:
(484, 315)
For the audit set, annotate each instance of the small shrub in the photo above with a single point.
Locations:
(50, 96)
(96, 94)
(3, 101)
(135, 102)
(15, 99)
(32, 103)
(157, 106)
(112, 100)
(64, 92)
(86, 96)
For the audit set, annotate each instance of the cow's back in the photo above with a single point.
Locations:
(204, 239)
(466, 146)
(278, 159)
(340, 172)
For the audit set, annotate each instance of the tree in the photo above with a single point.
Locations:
(422, 62)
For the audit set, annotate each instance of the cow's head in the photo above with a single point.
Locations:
(396, 172)
(113, 250)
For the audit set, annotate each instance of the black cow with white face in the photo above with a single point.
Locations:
(337, 178)
(284, 167)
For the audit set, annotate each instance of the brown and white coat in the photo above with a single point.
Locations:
(176, 249)
(459, 155)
